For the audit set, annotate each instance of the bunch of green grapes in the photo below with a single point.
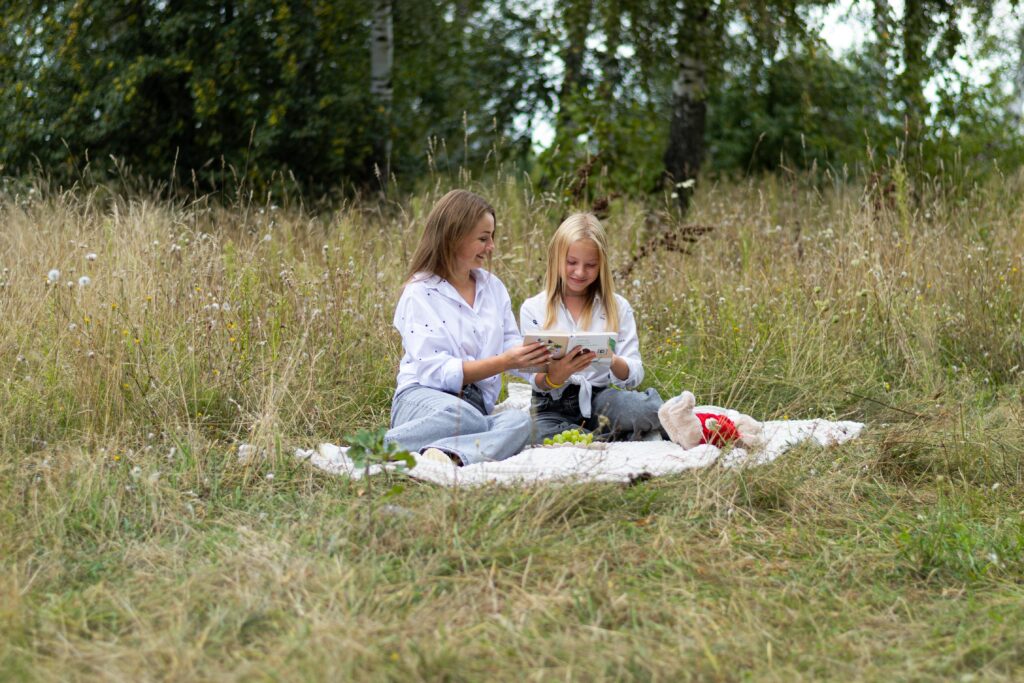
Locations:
(570, 436)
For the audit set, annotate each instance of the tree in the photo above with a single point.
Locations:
(382, 51)
(684, 152)
(225, 92)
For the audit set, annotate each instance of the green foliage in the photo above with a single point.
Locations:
(954, 541)
(802, 109)
(261, 94)
(367, 447)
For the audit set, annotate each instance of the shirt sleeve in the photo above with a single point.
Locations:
(628, 348)
(429, 348)
(531, 320)
(511, 336)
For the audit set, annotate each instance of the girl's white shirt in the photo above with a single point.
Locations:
(627, 345)
(440, 330)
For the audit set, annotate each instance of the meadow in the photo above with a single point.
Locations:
(144, 339)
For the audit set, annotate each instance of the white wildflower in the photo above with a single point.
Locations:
(91, 256)
(84, 281)
(53, 276)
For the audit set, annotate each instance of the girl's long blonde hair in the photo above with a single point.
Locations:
(580, 226)
(452, 218)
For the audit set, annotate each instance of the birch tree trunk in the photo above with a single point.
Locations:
(685, 151)
(382, 51)
(1017, 106)
(916, 32)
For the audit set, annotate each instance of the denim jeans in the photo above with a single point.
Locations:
(422, 418)
(629, 415)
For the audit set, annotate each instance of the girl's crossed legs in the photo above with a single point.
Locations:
(631, 415)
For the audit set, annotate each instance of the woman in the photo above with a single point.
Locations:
(459, 336)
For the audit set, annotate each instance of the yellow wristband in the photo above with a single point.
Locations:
(547, 380)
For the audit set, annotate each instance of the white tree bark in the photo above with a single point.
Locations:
(382, 53)
(1017, 106)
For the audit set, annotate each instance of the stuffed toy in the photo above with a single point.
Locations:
(689, 425)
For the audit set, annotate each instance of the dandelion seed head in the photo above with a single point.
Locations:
(91, 256)
(53, 276)
(84, 281)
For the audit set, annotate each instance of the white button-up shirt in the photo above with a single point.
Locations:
(440, 330)
(627, 345)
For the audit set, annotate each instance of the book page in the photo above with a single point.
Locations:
(557, 342)
(601, 343)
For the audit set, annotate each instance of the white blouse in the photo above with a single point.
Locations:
(440, 330)
(627, 346)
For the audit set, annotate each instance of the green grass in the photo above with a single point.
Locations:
(135, 546)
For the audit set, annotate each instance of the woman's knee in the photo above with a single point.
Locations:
(465, 419)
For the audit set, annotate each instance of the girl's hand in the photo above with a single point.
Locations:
(577, 359)
(525, 356)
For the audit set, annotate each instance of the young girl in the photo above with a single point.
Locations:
(579, 296)
(459, 335)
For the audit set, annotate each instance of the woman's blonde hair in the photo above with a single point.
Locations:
(452, 218)
(580, 226)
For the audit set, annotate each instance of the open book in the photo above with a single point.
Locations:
(560, 343)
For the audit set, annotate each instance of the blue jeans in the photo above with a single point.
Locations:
(422, 418)
(630, 414)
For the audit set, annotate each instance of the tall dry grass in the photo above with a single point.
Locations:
(136, 546)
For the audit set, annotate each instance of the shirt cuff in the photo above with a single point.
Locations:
(452, 374)
(633, 379)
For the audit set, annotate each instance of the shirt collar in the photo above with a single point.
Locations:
(442, 286)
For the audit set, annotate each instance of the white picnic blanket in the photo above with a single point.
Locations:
(615, 462)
